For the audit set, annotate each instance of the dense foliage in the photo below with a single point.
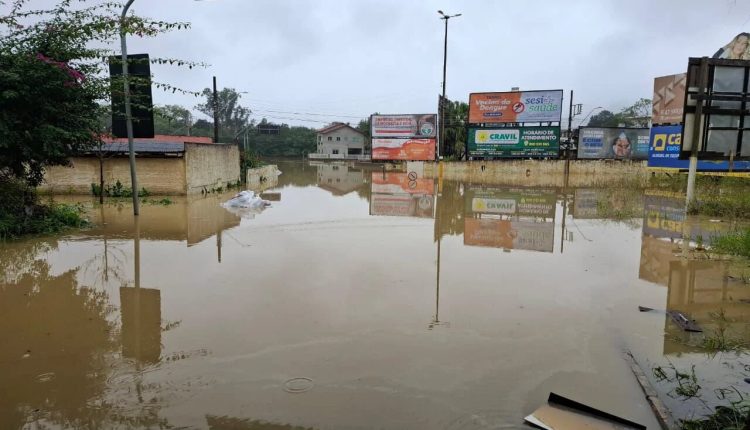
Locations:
(636, 115)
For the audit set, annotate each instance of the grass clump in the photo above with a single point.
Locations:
(733, 243)
(23, 214)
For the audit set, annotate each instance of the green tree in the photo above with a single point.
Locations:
(233, 117)
(172, 119)
(456, 116)
(55, 81)
(636, 115)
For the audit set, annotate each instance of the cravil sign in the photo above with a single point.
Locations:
(664, 152)
(521, 142)
(516, 106)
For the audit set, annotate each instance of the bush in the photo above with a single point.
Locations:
(22, 214)
(117, 190)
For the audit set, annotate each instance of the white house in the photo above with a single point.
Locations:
(340, 140)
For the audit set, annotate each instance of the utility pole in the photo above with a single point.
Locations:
(570, 128)
(697, 137)
(216, 114)
(128, 116)
(445, 67)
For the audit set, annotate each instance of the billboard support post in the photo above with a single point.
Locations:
(697, 137)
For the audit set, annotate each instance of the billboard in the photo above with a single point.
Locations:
(514, 142)
(737, 49)
(617, 142)
(418, 126)
(403, 149)
(664, 152)
(515, 106)
(669, 99)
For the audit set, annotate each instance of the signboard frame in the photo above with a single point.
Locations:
(534, 151)
(472, 115)
(581, 145)
(417, 134)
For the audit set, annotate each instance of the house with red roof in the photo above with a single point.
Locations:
(340, 141)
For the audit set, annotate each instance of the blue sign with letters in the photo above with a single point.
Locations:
(664, 152)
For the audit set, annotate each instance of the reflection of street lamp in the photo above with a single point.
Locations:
(445, 64)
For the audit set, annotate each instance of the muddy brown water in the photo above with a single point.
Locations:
(358, 300)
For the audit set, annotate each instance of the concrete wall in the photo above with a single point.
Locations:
(164, 176)
(262, 178)
(340, 140)
(211, 166)
(540, 172)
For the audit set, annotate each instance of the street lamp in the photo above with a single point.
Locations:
(444, 17)
(126, 97)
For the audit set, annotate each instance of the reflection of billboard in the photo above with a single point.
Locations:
(669, 99)
(664, 152)
(663, 216)
(520, 142)
(420, 126)
(141, 323)
(403, 149)
(521, 202)
(400, 183)
(496, 233)
(402, 205)
(516, 106)
(618, 142)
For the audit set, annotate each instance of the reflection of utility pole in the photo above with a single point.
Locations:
(562, 232)
(436, 318)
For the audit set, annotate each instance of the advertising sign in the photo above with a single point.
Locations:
(664, 152)
(619, 143)
(516, 142)
(419, 126)
(496, 233)
(669, 99)
(403, 149)
(400, 183)
(516, 106)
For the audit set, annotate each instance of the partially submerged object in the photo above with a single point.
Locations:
(246, 199)
(246, 204)
(684, 322)
(561, 413)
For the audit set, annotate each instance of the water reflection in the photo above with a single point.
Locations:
(511, 218)
(399, 194)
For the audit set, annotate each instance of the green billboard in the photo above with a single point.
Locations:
(514, 142)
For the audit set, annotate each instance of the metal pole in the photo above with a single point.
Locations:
(697, 129)
(128, 117)
(216, 114)
(442, 100)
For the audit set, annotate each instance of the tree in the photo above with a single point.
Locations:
(172, 119)
(232, 116)
(636, 115)
(55, 81)
(456, 116)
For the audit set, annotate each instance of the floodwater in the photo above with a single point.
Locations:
(360, 299)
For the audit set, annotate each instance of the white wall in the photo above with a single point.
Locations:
(341, 140)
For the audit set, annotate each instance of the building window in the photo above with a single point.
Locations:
(338, 138)
(330, 138)
(355, 151)
(320, 138)
(335, 151)
(346, 138)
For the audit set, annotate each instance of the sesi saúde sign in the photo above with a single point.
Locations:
(515, 106)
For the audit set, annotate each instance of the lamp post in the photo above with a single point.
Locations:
(444, 17)
(128, 117)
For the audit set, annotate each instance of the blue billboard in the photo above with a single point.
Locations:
(664, 152)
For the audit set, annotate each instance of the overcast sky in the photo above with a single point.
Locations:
(355, 57)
